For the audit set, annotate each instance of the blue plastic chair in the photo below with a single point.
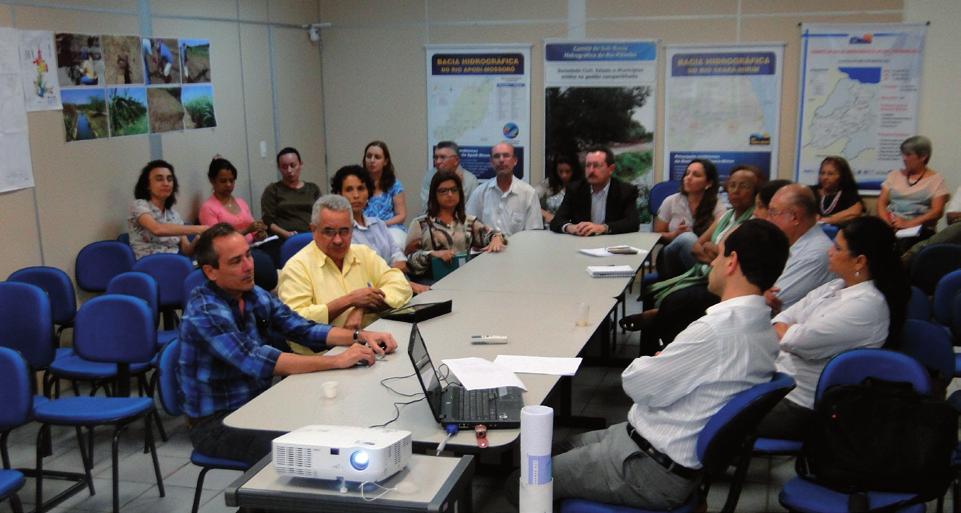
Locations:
(919, 306)
(26, 323)
(659, 192)
(171, 401)
(800, 494)
(193, 280)
(292, 245)
(112, 330)
(169, 270)
(17, 403)
(727, 435)
(98, 262)
(831, 230)
(932, 263)
(942, 304)
(931, 346)
(59, 288)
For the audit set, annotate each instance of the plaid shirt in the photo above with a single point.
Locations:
(227, 357)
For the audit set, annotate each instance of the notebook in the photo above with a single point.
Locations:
(450, 403)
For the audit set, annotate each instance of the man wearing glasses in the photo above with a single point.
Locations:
(599, 204)
(333, 282)
(447, 160)
(794, 210)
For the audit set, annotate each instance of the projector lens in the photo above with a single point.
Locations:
(359, 460)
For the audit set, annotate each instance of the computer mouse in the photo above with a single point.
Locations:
(362, 363)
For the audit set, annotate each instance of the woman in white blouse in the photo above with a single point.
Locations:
(864, 307)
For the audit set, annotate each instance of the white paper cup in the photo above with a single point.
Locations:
(583, 314)
(329, 388)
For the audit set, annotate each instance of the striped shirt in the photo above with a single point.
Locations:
(730, 349)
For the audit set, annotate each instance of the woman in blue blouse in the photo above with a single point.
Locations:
(387, 201)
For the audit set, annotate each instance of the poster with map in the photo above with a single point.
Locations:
(859, 97)
(16, 170)
(722, 103)
(479, 96)
(38, 71)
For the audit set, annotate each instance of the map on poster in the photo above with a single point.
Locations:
(723, 104)
(479, 97)
(859, 97)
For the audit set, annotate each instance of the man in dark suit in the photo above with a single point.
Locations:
(600, 203)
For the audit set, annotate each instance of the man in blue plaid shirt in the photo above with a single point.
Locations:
(231, 335)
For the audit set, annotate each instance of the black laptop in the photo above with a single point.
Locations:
(451, 403)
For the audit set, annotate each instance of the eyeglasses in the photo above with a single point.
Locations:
(773, 212)
(739, 186)
(331, 232)
(447, 190)
(443, 157)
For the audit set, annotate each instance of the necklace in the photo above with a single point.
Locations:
(910, 184)
(826, 210)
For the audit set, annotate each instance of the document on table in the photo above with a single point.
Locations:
(610, 271)
(611, 251)
(904, 233)
(265, 241)
(539, 364)
(477, 373)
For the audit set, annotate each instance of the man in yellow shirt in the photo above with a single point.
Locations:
(335, 283)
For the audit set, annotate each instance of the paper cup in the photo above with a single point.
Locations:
(329, 388)
(583, 314)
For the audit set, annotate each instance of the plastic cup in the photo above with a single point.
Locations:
(329, 388)
(583, 314)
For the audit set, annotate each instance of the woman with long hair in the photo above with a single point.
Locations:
(223, 207)
(387, 200)
(836, 192)
(563, 172)
(864, 307)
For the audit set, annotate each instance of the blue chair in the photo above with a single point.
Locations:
(26, 323)
(17, 403)
(659, 192)
(932, 263)
(169, 270)
(98, 262)
(59, 288)
(726, 436)
(112, 330)
(171, 402)
(850, 367)
(193, 280)
(931, 346)
(831, 230)
(919, 306)
(292, 245)
(948, 288)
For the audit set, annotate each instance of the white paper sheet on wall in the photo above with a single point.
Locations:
(38, 71)
(16, 170)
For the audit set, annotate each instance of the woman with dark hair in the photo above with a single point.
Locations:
(564, 171)
(223, 207)
(387, 200)
(864, 307)
(286, 204)
(686, 215)
(837, 192)
(154, 226)
(764, 195)
(446, 230)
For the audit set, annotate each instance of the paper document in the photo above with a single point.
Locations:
(265, 241)
(610, 271)
(478, 373)
(539, 364)
(612, 250)
(908, 232)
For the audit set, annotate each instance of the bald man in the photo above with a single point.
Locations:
(506, 203)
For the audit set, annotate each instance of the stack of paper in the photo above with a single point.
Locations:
(610, 271)
(611, 251)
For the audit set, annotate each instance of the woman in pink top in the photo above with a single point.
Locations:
(223, 207)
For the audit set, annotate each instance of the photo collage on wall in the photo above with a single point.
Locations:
(114, 86)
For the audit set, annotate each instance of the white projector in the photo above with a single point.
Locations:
(342, 452)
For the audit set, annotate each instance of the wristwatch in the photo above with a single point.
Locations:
(357, 339)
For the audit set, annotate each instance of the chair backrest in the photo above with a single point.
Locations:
(945, 291)
(956, 318)
(136, 284)
(57, 285)
(919, 306)
(292, 245)
(26, 324)
(98, 262)
(15, 392)
(932, 263)
(167, 384)
(116, 329)
(852, 367)
(659, 192)
(124, 237)
(831, 230)
(931, 345)
(193, 280)
(169, 270)
(725, 434)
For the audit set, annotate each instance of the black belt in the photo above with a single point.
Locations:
(661, 458)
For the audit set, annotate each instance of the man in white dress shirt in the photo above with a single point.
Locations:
(650, 461)
(794, 210)
(504, 202)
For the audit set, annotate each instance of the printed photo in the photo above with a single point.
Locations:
(79, 60)
(128, 111)
(84, 114)
(198, 101)
(196, 60)
(161, 59)
(120, 60)
(165, 109)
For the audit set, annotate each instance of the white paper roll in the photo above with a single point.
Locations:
(537, 430)
(536, 498)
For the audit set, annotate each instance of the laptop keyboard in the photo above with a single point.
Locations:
(474, 404)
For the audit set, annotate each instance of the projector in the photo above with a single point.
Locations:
(346, 453)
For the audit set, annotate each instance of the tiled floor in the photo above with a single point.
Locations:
(596, 392)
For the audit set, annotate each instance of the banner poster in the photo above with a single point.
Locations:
(602, 93)
(479, 96)
(859, 97)
(38, 71)
(722, 103)
(16, 170)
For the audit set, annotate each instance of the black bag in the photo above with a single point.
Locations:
(882, 436)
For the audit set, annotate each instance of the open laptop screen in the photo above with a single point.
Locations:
(424, 368)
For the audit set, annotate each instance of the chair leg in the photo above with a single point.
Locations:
(15, 504)
(115, 459)
(90, 443)
(153, 453)
(740, 471)
(200, 488)
(956, 495)
(41, 436)
(87, 462)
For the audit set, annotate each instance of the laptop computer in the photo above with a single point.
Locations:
(451, 403)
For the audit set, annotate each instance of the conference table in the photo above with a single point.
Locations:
(532, 293)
